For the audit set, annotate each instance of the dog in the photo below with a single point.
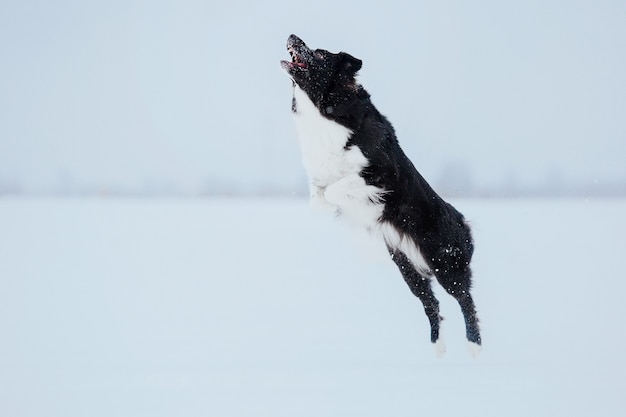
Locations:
(357, 169)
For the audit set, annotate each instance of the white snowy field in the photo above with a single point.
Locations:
(243, 307)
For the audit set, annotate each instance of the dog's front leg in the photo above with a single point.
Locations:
(355, 198)
(352, 190)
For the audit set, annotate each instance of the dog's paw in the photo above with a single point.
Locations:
(440, 347)
(320, 204)
(474, 349)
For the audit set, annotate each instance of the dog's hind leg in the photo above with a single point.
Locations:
(457, 284)
(420, 287)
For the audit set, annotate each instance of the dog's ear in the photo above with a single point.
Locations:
(349, 63)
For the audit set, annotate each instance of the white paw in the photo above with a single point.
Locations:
(474, 349)
(440, 347)
(320, 204)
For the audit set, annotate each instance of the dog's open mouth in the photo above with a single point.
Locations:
(299, 55)
(296, 59)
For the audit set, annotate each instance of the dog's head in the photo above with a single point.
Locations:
(322, 75)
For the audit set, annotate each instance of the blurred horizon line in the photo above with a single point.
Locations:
(594, 190)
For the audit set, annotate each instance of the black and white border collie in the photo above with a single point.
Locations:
(357, 169)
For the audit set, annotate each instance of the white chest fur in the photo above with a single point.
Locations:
(334, 170)
(322, 143)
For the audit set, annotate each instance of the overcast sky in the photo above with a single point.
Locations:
(189, 95)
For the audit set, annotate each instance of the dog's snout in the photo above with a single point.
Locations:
(293, 40)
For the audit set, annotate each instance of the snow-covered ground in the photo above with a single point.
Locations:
(124, 307)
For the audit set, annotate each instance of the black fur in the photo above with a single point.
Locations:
(410, 204)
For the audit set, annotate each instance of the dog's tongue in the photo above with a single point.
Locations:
(300, 64)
